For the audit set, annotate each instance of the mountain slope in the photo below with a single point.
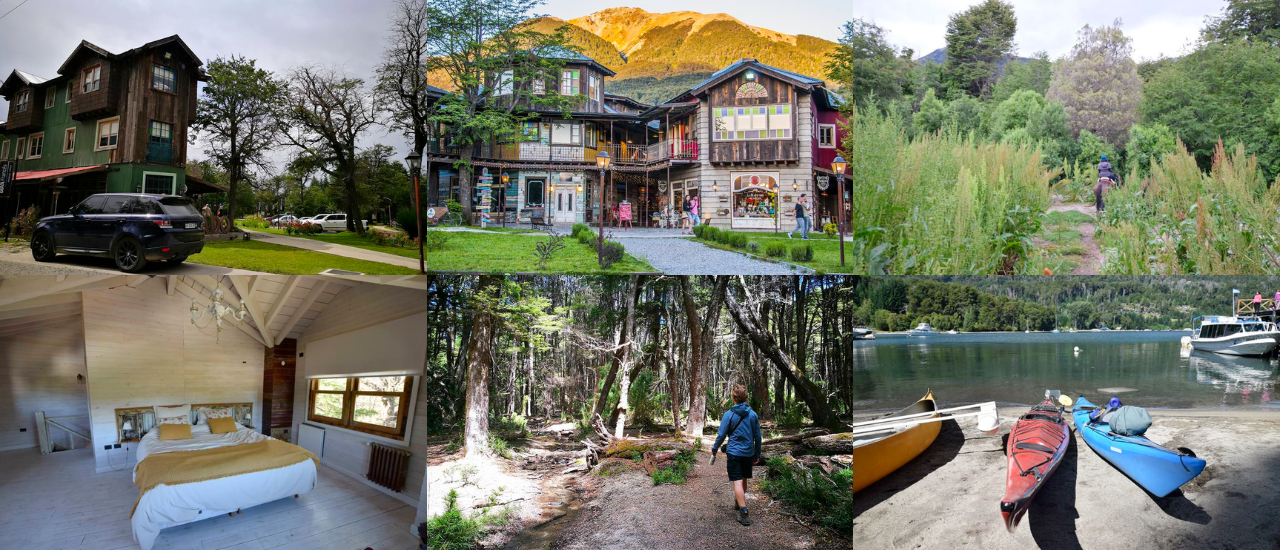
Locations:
(659, 54)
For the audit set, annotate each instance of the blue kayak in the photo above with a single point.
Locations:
(1158, 470)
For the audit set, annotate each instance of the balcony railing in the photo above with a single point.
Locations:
(621, 153)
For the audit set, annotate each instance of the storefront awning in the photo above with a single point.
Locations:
(46, 175)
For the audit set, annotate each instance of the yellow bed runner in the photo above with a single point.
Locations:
(180, 467)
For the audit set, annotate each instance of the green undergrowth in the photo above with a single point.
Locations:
(828, 499)
(678, 472)
(454, 530)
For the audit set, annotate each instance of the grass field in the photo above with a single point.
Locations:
(469, 251)
(348, 238)
(272, 258)
(826, 250)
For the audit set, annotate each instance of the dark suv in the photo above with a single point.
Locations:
(130, 228)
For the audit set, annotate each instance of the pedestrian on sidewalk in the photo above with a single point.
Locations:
(695, 210)
(802, 218)
(685, 206)
(740, 426)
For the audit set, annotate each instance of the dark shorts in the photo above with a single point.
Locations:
(739, 467)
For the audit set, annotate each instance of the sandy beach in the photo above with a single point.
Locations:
(949, 496)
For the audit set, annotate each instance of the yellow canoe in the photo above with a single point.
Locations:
(879, 454)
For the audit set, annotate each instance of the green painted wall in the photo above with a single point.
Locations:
(56, 121)
(128, 178)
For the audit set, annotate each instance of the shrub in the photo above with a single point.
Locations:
(802, 253)
(700, 231)
(678, 473)
(435, 239)
(407, 220)
(753, 247)
(253, 221)
(829, 499)
(578, 228)
(614, 252)
(776, 250)
(510, 427)
(451, 530)
(738, 240)
(830, 229)
(26, 221)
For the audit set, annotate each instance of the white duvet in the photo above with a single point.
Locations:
(167, 506)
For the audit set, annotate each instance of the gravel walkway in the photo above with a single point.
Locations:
(677, 256)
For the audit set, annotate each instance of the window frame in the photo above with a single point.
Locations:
(570, 81)
(97, 141)
(95, 72)
(173, 78)
(23, 101)
(161, 125)
(69, 136)
(31, 144)
(505, 84)
(173, 181)
(4, 149)
(749, 112)
(50, 97)
(832, 143)
(69, 87)
(19, 153)
(352, 392)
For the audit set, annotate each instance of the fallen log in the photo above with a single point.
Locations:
(827, 464)
(835, 444)
(657, 460)
(625, 447)
(797, 437)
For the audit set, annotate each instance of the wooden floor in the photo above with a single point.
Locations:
(57, 502)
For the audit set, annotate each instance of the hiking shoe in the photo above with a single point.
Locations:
(788, 235)
(743, 516)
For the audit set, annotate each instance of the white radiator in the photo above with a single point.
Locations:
(311, 438)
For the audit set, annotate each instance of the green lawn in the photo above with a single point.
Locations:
(826, 250)
(273, 258)
(352, 239)
(468, 251)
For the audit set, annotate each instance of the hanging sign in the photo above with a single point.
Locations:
(824, 182)
(6, 177)
(662, 187)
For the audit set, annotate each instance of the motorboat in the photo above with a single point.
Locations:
(922, 329)
(1234, 335)
(860, 333)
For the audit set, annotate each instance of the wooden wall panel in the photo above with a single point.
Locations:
(141, 350)
(762, 151)
(38, 370)
(353, 309)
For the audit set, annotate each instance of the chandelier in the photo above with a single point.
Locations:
(215, 312)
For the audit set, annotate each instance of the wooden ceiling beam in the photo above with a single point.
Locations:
(20, 289)
(281, 298)
(243, 287)
(205, 301)
(315, 293)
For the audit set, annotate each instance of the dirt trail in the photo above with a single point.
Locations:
(627, 511)
(1091, 262)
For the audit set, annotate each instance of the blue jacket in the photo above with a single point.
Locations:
(745, 439)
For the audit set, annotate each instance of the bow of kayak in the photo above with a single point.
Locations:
(1158, 470)
(881, 454)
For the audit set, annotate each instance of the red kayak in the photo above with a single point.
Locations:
(1036, 445)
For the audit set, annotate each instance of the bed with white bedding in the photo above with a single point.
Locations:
(169, 505)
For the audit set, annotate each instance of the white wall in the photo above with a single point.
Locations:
(142, 350)
(356, 308)
(38, 373)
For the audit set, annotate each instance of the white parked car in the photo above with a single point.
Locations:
(331, 222)
(284, 220)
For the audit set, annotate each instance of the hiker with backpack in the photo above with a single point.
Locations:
(740, 433)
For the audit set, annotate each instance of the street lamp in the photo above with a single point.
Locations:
(838, 166)
(602, 161)
(505, 180)
(415, 166)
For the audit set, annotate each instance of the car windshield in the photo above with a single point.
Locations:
(178, 206)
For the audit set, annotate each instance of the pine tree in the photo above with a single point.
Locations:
(977, 40)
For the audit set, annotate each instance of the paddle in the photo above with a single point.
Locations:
(988, 420)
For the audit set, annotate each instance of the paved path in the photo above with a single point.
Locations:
(335, 249)
(16, 260)
(676, 256)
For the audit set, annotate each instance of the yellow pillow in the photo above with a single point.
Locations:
(175, 431)
(222, 425)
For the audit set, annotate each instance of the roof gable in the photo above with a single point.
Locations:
(18, 79)
(85, 47)
(795, 79)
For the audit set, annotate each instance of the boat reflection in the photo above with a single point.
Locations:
(1251, 380)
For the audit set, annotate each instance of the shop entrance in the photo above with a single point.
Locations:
(566, 200)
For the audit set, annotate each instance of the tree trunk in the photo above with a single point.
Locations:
(835, 444)
(528, 410)
(701, 343)
(657, 460)
(464, 183)
(479, 357)
(810, 393)
(622, 349)
(621, 411)
(353, 198)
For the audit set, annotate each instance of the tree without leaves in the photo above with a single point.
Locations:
(977, 40)
(402, 86)
(239, 114)
(471, 41)
(1098, 84)
(702, 332)
(329, 112)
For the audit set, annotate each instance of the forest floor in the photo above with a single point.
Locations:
(948, 497)
(553, 503)
(1070, 230)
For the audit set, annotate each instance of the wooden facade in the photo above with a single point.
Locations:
(278, 371)
(729, 93)
(31, 119)
(594, 103)
(105, 100)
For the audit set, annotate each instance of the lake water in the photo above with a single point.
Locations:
(893, 371)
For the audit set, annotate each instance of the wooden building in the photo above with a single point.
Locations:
(748, 141)
(105, 123)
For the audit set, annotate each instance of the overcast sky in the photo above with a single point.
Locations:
(1156, 26)
(281, 34)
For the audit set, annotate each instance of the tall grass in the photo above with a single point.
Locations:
(1180, 220)
(942, 203)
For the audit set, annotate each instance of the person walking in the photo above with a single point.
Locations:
(685, 206)
(802, 218)
(1275, 306)
(740, 433)
(1106, 178)
(695, 211)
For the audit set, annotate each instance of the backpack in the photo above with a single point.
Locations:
(1129, 420)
